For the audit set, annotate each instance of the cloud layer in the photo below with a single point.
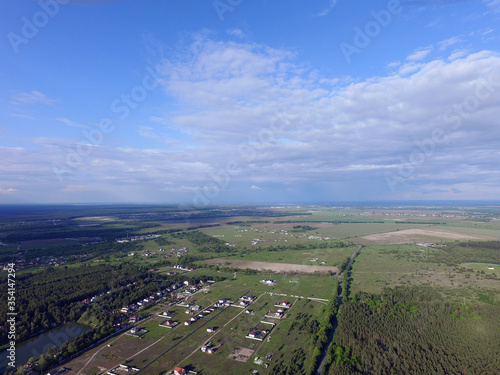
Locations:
(242, 117)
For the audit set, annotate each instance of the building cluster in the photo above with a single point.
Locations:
(208, 348)
(132, 309)
(260, 331)
(145, 237)
(183, 268)
(44, 261)
(280, 312)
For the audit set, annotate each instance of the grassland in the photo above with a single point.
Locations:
(377, 267)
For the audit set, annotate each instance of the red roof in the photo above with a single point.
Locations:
(179, 370)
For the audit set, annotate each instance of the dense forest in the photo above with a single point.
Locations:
(412, 330)
(54, 296)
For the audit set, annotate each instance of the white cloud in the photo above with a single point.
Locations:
(458, 54)
(327, 10)
(494, 5)
(256, 118)
(72, 124)
(444, 44)
(419, 54)
(29, 98)
(238, 33)
(394, 64)
(22, 115)
(8, 191)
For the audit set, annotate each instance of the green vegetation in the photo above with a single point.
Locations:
(326, 324)
(425, 335)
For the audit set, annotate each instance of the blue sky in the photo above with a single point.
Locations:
(225, 101)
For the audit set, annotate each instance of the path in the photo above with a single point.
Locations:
(332, 332)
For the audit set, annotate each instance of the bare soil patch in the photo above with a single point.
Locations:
(274, 267)
(417, 235)
(96, 218)
(241, 354)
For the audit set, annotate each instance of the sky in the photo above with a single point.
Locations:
(249, 101)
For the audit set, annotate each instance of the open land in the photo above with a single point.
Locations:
(274, 267)
(415, 235)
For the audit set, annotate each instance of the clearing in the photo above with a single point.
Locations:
(275, 267)
(417, 235)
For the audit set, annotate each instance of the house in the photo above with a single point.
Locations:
(166, 314)
(134, 319)
(179, 371)
(211, 350)
(284, 304)
(211, 329)
(248, 298)
(187, 323)
(268, 281)
(254, 334)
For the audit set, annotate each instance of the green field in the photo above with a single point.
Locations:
(378, 267)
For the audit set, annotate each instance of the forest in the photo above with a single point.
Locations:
(413, 330)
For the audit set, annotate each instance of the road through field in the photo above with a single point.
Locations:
(332, 332)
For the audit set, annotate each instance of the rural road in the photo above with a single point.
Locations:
(332, 332)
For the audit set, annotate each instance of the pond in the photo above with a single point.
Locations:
(39, 344)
